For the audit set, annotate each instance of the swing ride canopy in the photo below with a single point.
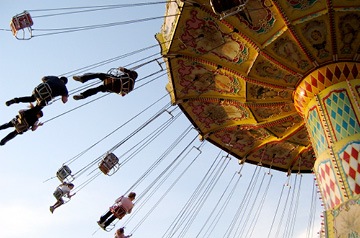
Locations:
(243, 79)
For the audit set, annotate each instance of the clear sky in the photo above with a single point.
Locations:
(30, 161)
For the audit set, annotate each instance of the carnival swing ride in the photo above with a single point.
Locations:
(269, 83)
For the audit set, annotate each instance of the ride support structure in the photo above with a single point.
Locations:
(331, 113)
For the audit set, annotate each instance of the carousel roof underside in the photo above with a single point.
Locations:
(236, 77)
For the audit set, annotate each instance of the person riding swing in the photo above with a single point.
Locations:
(123, 205)
(112, 82)
(25, 120)
(50, 87)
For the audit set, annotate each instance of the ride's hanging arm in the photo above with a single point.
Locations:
(112, 60)
(158, 161)
(86, 182)
(285, 207)
(111, 71)
(253, 224)
(278, 206)
(251, 207)
(65, 173)
(206, 193)
(243, 203)
(147, 140)
(159, 113)
(23, 21)
(293, 208)
(169, 173)
(180, 218)
(96, 161)
(243, 207)
(155, 164)
(64, 30)
(241, 229)
(110, 163)
(312, 211)
(217, 205)
(222, 209)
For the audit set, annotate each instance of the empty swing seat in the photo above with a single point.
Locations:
(64, 173)
(108, 163)
(227, 8)
(20, 22)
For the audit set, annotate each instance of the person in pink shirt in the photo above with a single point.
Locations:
(123, 205)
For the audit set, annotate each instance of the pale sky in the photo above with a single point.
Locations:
(30, 161)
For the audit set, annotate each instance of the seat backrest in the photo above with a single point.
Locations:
(63, 173)
(43, 92)
(58, 193)
(118, 211)
(109, 162)
(20, 123)
(21, 21)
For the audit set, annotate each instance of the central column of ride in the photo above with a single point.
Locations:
(329, 100)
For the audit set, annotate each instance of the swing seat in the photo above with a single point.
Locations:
(118, 211)
(60, 196)
(20, 22)
(115, 72)
(43, 93)
(64, 173)
(227, 8)
(109, 163)
(58, 193)
(20, 123)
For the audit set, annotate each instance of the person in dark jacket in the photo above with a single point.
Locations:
(25, 120)
(51, 86)
(120, 84)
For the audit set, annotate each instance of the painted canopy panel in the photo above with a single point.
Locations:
(244, 80)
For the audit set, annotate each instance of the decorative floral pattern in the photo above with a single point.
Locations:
(269, 70)
(315, 32)
(260, 92)
(208, 113)
(347, 220)
(241, 140)
(350, 28)
(261, 20)
(204, 36)
(197, 77)
(287, 49)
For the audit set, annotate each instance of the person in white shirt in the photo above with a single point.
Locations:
(64, 191)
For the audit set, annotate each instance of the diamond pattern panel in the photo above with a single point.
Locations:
(316, 130)
(351, 165)
(321, 79)
(339, 109)
(329, 187)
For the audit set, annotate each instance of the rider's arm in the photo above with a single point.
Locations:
(36, 125)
